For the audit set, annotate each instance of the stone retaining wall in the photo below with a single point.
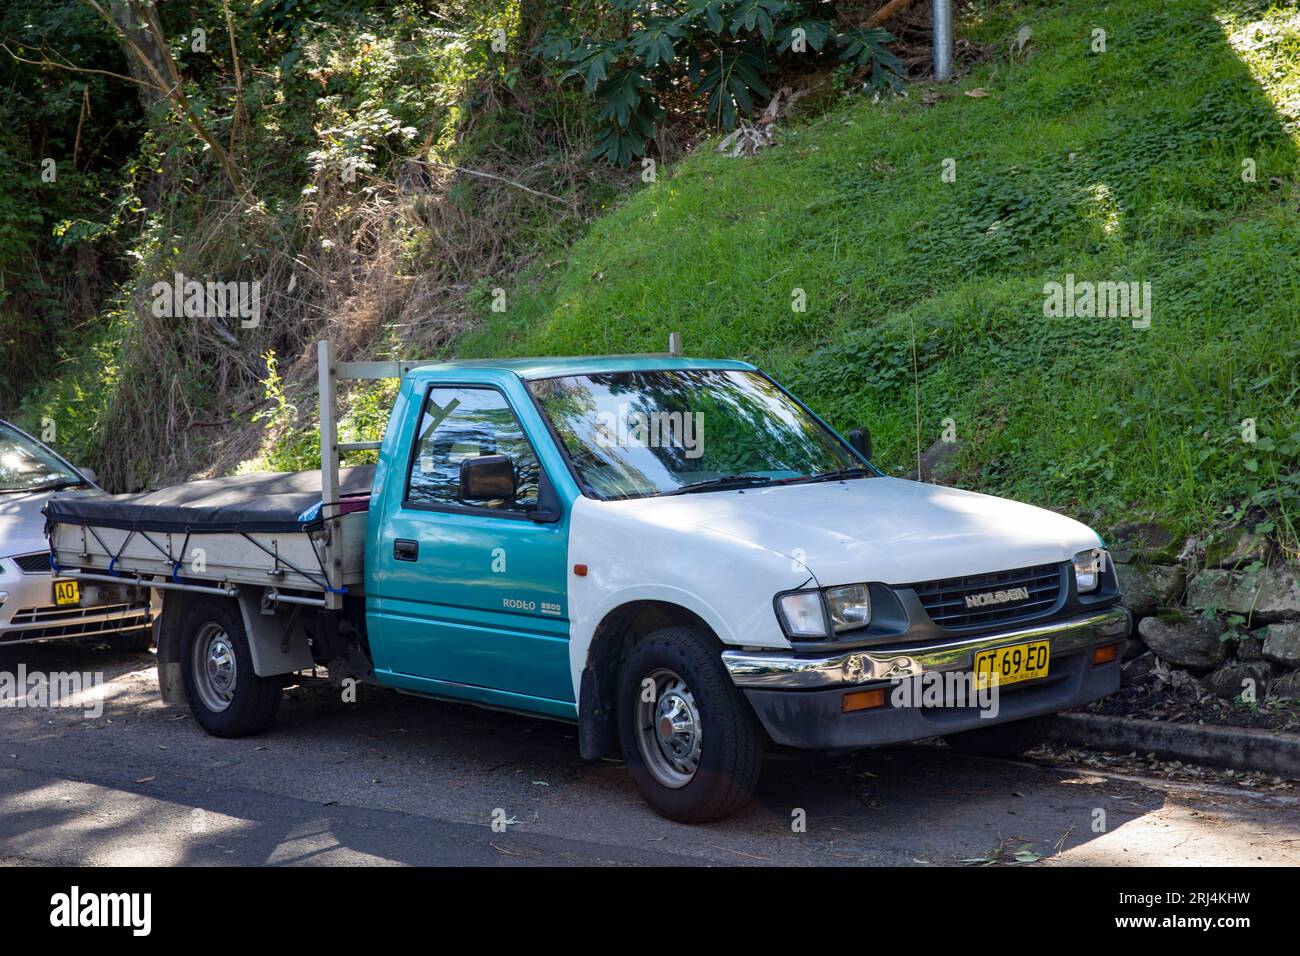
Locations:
(1224, 611)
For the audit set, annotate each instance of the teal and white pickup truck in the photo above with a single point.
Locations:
(674, 553)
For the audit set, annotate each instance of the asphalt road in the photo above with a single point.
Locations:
(394, 780)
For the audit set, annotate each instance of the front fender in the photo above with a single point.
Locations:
(727, 582)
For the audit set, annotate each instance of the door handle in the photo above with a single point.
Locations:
(406, 550)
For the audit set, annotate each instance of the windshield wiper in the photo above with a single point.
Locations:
(856, 472)
(54, 485)
(726, 481)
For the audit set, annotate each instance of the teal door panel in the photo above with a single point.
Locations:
(445, 690)
(469, 599)
(483, 603)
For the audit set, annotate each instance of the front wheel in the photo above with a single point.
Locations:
(692, 744)
(226, 697)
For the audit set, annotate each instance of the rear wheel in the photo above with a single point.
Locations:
(226, 697)
(1003, 740)
(691, 742)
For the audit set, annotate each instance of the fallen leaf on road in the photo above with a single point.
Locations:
(146, 779)
(1026, 855)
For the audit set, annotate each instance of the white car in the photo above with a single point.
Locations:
(35, 603)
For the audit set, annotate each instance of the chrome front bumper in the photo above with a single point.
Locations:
(27, 614)
(786, 670)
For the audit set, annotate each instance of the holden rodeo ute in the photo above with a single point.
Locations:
(673, 553)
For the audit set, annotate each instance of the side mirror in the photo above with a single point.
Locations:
(487, 478)
(860, 441)
(89, 475)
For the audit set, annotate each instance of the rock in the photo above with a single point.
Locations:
(1145, 587)
(1287, 686)
(937, 462)
(1231, 680)
(1136, 669)
(1281, 643)
(1134, 647)
(1153, 541)
(1192, 549)
(1250, 649)
(1236, 548)
(1192, 643)
(1264, 594)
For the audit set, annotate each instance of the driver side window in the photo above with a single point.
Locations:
(460, 423)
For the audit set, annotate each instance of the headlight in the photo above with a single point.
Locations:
(850, 606)
(803, 614)
(1088, 568)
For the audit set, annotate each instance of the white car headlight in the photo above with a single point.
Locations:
(1088, 568)
(850, 606)
(803, 614)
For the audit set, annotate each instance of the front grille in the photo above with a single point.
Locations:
(73, 622)
(945, 600)
(38, 563)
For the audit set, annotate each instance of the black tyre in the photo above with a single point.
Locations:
(692, 744)
(1003, 740)
(132, 641)
(226, 697)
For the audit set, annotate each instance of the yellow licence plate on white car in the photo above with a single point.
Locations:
(67, 593)
(1010, 665)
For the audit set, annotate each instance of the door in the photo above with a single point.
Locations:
(475, 593)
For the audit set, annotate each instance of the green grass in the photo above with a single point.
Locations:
(1114, 166)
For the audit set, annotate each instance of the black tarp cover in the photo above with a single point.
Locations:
(265, 501)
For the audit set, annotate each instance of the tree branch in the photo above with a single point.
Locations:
(885, 12)
(239, 78)
(47, 62)
(175, 94)
(500, 179)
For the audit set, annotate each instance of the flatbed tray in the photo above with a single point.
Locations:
(263, 529)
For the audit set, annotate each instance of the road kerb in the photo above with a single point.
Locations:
(1238, 748)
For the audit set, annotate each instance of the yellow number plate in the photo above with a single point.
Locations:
(1010, 665)
(67, 593)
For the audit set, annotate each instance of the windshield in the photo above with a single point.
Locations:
(632, 434)
(26, 466)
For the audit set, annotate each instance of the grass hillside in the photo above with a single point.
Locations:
(1122, 165)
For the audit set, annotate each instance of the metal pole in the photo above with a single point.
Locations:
(942, 16)
(329, 473)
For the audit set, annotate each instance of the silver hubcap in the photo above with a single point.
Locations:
(214, 667)
(669, 730)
